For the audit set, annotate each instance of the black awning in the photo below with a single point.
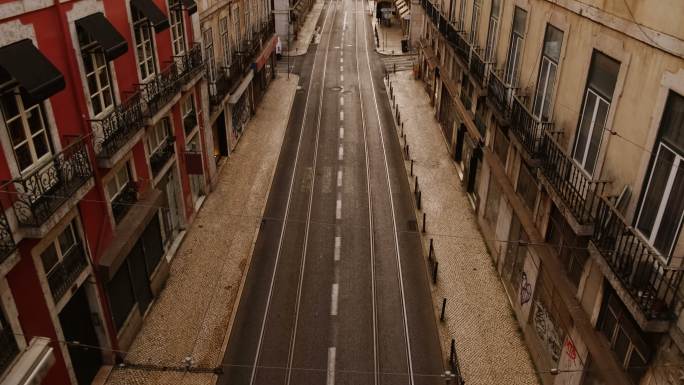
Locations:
(36, 75)
(153, 14)
(104, 33)
(190, 5)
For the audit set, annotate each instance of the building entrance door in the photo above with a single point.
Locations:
(76, 319)
(139, 277)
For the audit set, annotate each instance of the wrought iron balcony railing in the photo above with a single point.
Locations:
(162, 155)
(466, 99)
(124, 201)
(117, 128)
(462, 47)
(578, 191)
(161, 89)
(227, 78)
(443, 26)
(528, 129)
(7, 245)
(479, 68)
(42, 191)
(191, 63)
(498, 93)
(65, 273)
(650, 282)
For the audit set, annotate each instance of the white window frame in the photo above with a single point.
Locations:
(71, 226)
(158, 134)
(590, 134)
(185, 111)
(547, 85)
(119, 182)
(208, 37)
(515, 48)
(462, 15)
(28, 135)
(225, 41)
(235, 15)
(177, 28)
(678, 158)
(101, 89)
(475, 21)
(492, 34)
(147, 62)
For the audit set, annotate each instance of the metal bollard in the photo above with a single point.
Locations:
(452, 351)
(418, 204)
(411, 167)
(407, 150)
(432, 250)
(441, 316)
(423, 222)
(395, 68)
(434, 273)
(415, 187)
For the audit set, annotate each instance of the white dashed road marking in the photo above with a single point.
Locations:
(333, 295)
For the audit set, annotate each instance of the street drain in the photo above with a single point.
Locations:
(412, 225)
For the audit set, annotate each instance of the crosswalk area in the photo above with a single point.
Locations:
(399, 62)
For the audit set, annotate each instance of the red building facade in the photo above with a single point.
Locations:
(104, 163)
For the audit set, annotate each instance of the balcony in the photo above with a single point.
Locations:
(462, 48)
(579, 193)
(7, 245)
(646, 284)
(498, 93)
(527, 128)
(40, 194)
(160, 91)
(162, 154)
(479, 68)
(443, 26)
(115, 133)
(227, 79)
(191, 64)
(124, 201)
(63, 275)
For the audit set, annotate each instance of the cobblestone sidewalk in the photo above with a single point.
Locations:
(306, 32)
(191, 317)
(490, 348)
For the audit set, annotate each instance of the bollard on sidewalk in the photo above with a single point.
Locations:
(423, 222)
(434, 273)
(441, 316)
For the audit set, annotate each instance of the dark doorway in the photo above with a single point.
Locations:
(77, 325)
(220, 137)
(139, 276)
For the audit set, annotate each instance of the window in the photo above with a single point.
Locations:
(63, 261)
(570, 249)
(144, 46)
(235, 15)
(27, 129)
(526, 186)
(665, 187)
(624, 337)
(475, 21)
(492, 208)
(493, 30)
(553, 39)
(158, 135)
(119, 189)
(225, 41)
(97, 74)
(8, 344)
(597, 97)
(512, 73)
(177, 28)
(188, 113)
(121, 296)
(461, 15)
(209, 53)
(500, 145)
(248, 22)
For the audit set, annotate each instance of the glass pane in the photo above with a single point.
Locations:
(122, 175)
(519, 20)
(40, 145)
(107, 94)
(585, 126)
(541, 83)
(88, 63)
(104, 79)
(603, 74)
(49, 258)
(553, 39)
(496, 6)
(34, 120)
(24, 157)
(669, 224)
(92, 83)
(596, 135)
(8, 103)
(16, 130)
(66, 239)
(112, 188)
(97, 107)
(672, 125)
(621, 344)
(656, 188)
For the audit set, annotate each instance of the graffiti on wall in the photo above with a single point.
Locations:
(570, 349)
(525, 289)
(548, 332)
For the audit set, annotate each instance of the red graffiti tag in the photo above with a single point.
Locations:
(570, 349)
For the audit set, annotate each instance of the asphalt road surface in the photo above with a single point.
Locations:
(337, 291)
